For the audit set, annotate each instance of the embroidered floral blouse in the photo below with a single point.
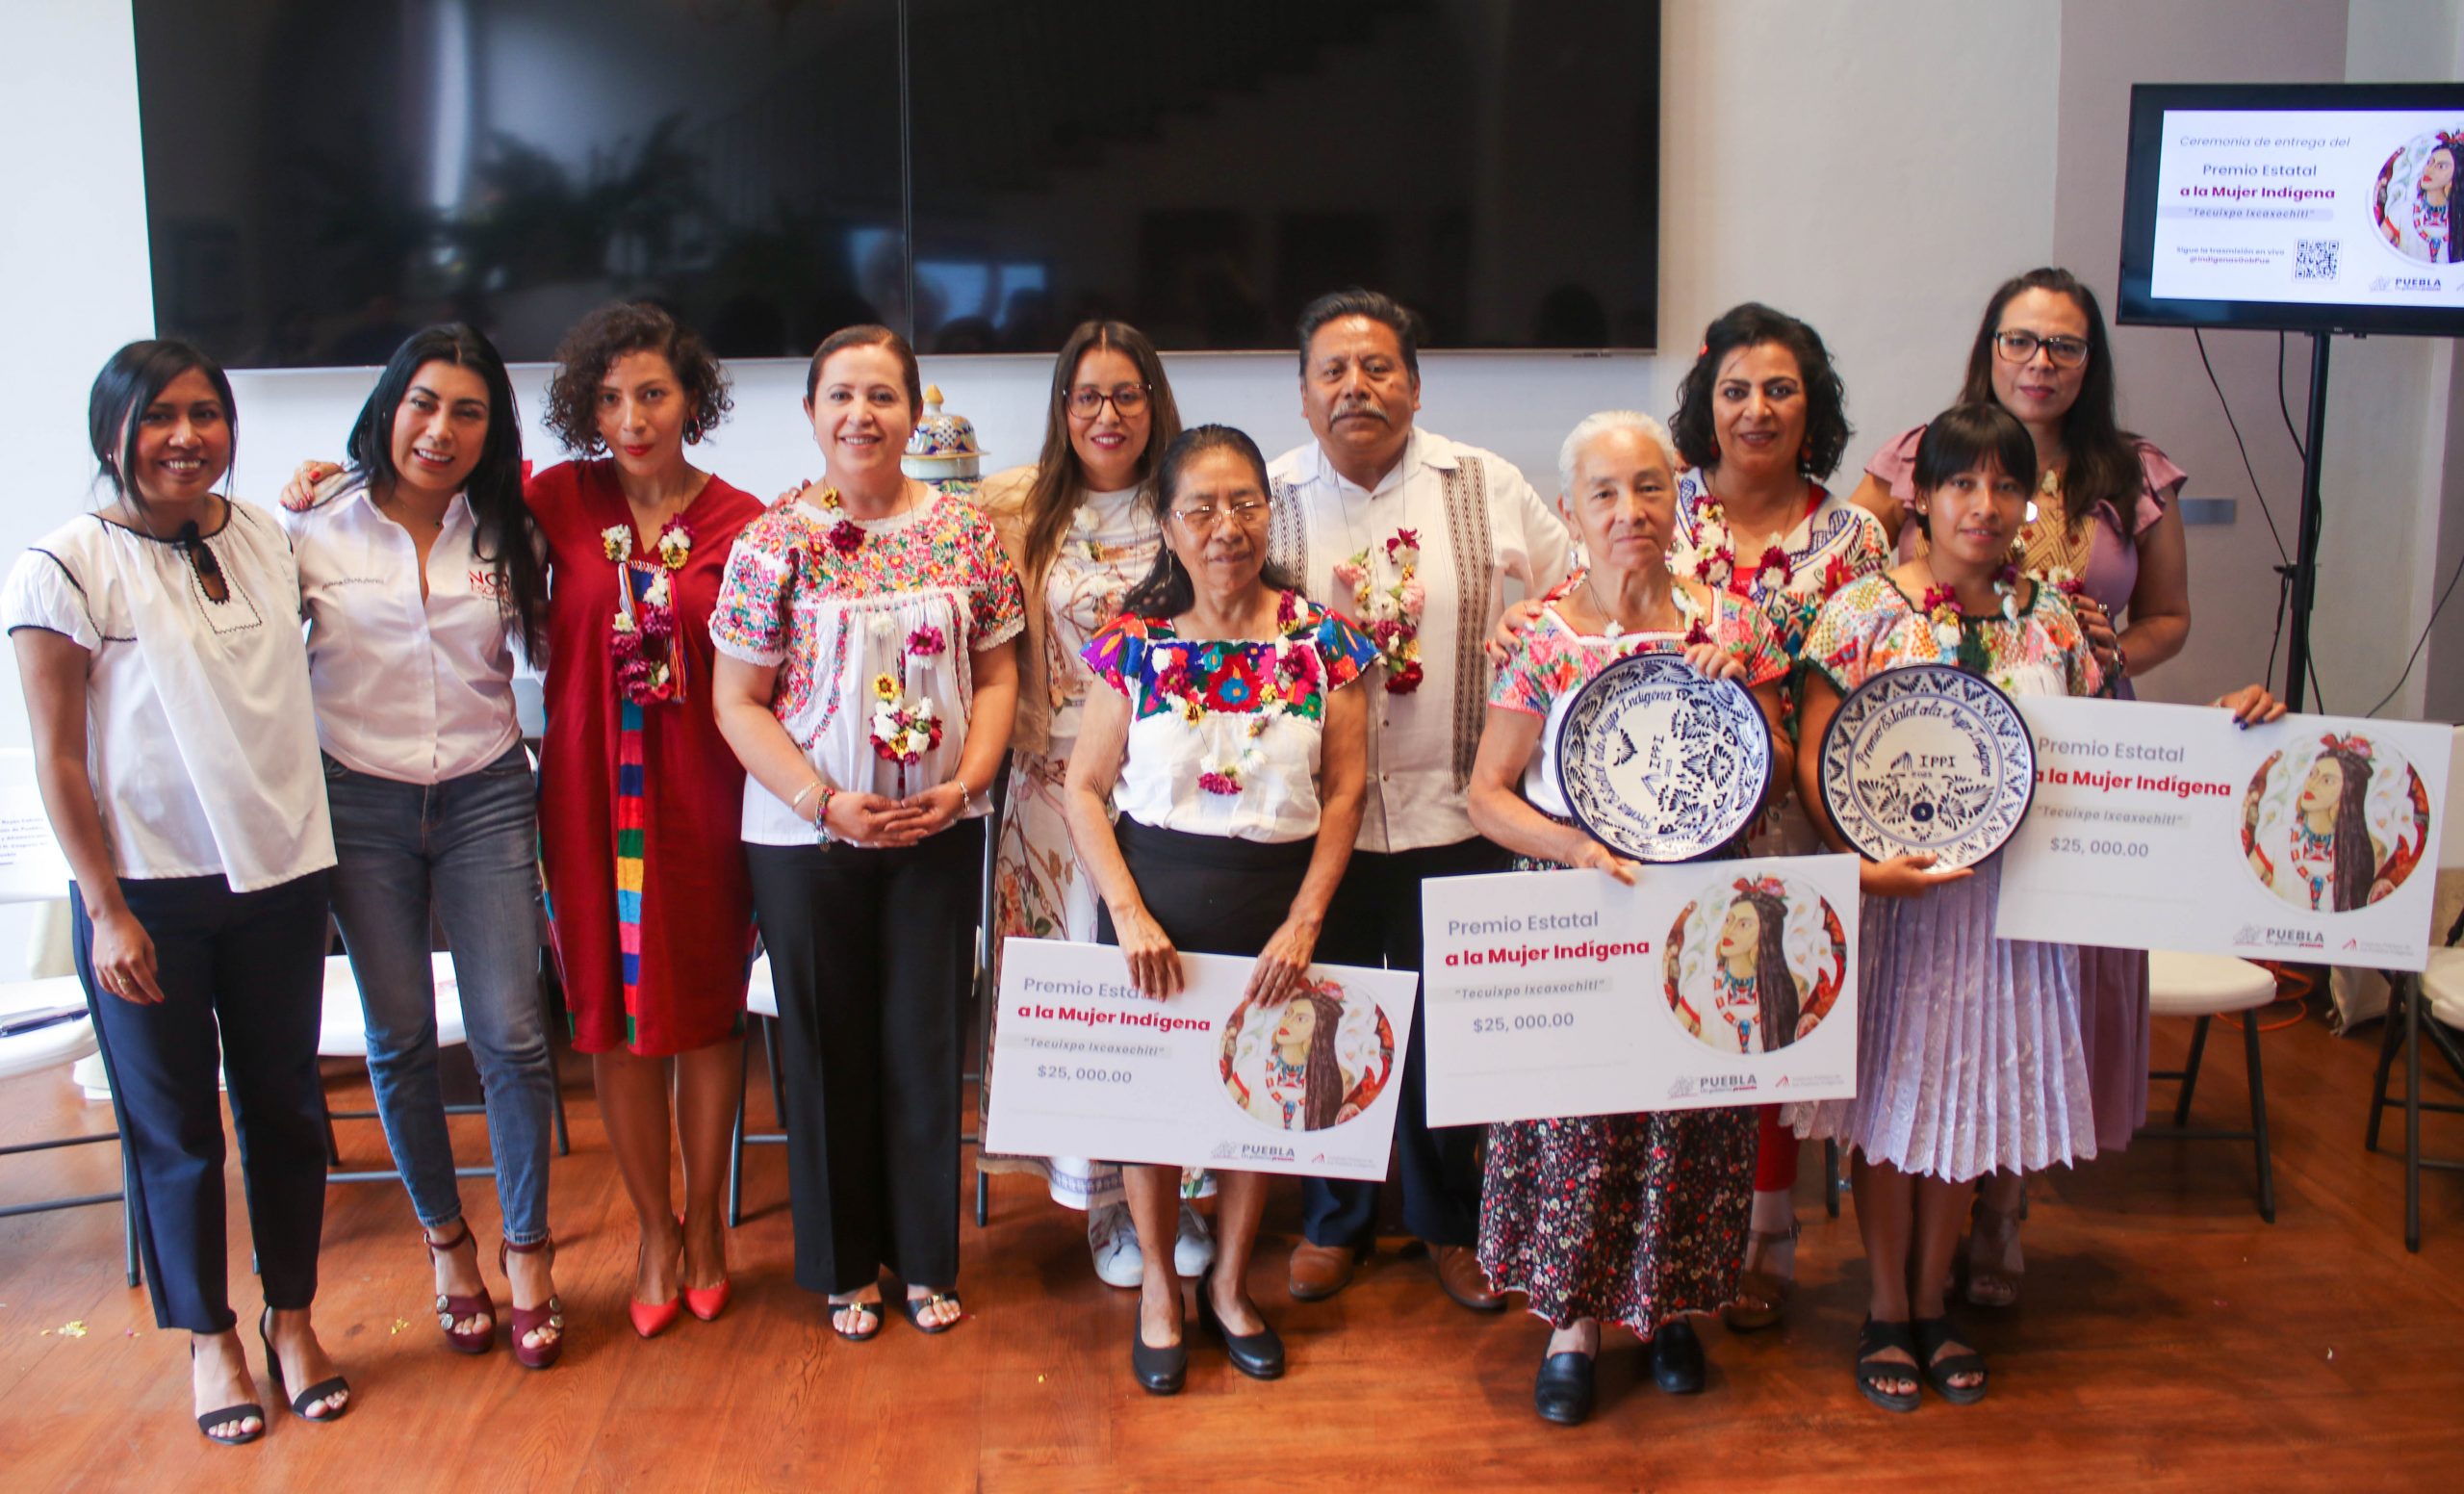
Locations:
(1552, 662)
(1224, 735)
(1835, 543)
(1873, 626)
(875, 625)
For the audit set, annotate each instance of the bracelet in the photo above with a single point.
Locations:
(821, 809)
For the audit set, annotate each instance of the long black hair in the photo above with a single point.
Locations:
(2454, 192)
(2102, 458)
(134, 377)
(507, 536)
(1167, 590)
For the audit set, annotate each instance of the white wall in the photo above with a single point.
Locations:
(1873, 169)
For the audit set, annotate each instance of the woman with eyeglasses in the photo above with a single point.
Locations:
(1214, 792)
(2106, 532)
(1082, 537)
(158, 643)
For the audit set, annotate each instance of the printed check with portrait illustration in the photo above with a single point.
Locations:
(1083, 1066)
(2168, 827)
(1708, 983)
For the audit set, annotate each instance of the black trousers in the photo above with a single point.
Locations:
(1376, 920)
(869, 954)
(244, 978)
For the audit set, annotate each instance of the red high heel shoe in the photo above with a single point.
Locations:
(450, 1310)
(527, 1321)
(704, 1303)
(652, 1318)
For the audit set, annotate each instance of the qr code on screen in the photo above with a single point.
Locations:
(2315, 259)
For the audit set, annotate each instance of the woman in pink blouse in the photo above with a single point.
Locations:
(866, 676)
(2103, 529)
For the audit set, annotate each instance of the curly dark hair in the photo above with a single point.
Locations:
(1750, 325)
(609, 333)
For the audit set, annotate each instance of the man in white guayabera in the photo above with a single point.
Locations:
(1415, 537)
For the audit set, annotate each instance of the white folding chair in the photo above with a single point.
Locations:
(2206, 987)
(2429, 1004)
(31, 871)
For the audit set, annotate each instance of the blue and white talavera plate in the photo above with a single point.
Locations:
(1660, 764)
(1928, 758)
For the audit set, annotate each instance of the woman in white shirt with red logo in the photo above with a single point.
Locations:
(419, 569)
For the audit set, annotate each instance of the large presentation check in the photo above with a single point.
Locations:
(1711, 983)
(1083, 1066)
(2313, 838)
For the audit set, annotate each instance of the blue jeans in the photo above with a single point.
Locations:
(465, 849)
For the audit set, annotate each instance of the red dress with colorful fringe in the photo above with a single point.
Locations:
(639, 806)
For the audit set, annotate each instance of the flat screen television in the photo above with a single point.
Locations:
(325, 175)
(2294, 207)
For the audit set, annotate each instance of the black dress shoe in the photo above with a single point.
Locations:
(1561, 1392)
(1676, 1358)
(1160, 1370)
(1259, 1355)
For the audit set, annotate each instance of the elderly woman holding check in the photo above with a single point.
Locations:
(1634, 1219)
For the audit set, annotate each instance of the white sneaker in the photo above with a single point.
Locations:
(1193, 1249)
(1113, 1240)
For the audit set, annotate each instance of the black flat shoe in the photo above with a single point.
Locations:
(1873, 1372)
(1934, 1335)
(1677, 1360)
(1259, 1355)
(911, 1308)
(1160, 1371)
(1561, 1392)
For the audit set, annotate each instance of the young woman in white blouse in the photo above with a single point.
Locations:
(159, 646)
(419, 567)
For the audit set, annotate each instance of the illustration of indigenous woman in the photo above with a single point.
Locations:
(1754, 996)
(2419, 222)
(2334, 862)
(1304, 1085)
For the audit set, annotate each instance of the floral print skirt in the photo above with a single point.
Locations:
(1632, 1219)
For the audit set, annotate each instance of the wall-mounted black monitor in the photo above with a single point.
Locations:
(324, 175)
(2294, 207)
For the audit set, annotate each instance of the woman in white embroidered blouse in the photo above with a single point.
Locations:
(159, 646)
(866, 675)
(1237, 762)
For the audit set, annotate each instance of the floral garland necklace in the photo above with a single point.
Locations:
(1715, 553)
(1952, 640)
(1391, 612)
(904, 729)
(650, 667)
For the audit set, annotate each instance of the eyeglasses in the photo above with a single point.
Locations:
(1127, 399)
(1204, 517)
(2018, 344)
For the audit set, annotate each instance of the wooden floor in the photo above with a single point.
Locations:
(2167, 1340)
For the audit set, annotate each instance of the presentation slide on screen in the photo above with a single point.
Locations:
(2308, 206)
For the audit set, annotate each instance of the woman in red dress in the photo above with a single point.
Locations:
(640, 797)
